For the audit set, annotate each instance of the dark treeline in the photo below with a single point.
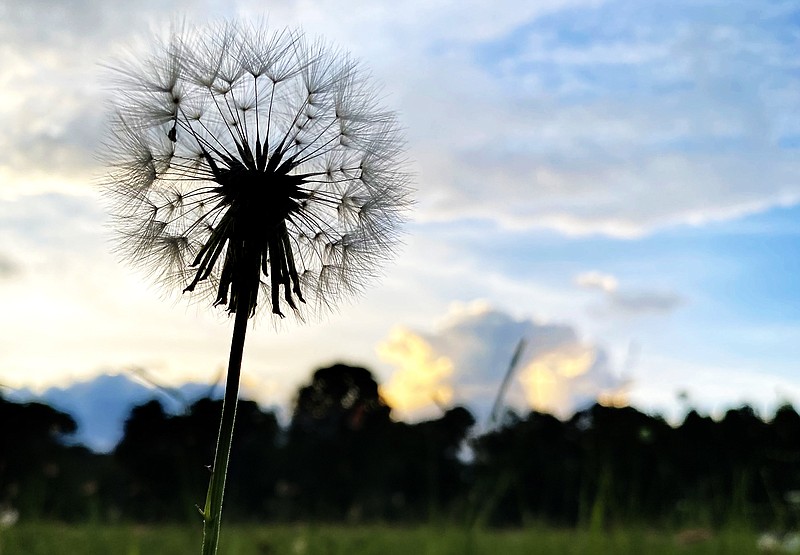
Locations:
(342, 458)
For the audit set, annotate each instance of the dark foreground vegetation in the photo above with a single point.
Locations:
(343, 459)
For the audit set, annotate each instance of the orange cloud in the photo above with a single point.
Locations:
(422, 378)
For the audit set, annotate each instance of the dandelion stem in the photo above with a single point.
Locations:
(212, 514)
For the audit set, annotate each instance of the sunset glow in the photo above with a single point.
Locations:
(422, 377)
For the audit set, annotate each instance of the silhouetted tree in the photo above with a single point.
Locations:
(427, 472)
(336, 440)
(343, 457)
(255, 465)
(339, 398)
(152, 453)
(783, 455)
(31, 454)
(529, 467)
(164, 458)
(43, 476)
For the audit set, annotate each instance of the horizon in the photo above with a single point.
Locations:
(100, 406)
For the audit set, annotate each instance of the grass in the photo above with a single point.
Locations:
(46, 539)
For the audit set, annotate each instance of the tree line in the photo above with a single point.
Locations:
(343, 458)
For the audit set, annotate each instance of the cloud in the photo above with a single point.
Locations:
(583, 116)
(597, 280)
(638, 302)
(567, 122)
(467, 357)
(627, 301)
(51, 91)
(422, 376)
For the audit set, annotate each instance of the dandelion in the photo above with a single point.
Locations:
(253, 168)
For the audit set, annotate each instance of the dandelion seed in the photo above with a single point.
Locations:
(243, 143)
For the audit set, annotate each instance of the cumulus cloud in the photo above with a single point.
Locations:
(466, 358)
(628, 301)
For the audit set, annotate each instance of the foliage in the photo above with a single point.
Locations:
(343, 458)
(622, 465)
(39, 475)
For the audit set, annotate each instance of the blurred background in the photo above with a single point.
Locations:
(612, 182)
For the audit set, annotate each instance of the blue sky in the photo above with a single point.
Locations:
(619, 180)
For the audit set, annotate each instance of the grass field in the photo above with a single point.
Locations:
(49, 539)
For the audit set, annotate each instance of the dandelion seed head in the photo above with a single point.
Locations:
(254, 168)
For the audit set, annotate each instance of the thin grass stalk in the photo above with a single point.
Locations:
(212, 513)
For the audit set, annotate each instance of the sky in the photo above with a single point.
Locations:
(615, 183)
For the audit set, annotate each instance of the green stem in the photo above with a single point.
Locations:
(212, 513)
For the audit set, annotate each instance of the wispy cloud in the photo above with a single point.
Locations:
(597, 280)
(627, 301)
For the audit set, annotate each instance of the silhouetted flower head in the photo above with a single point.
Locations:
(248, 161)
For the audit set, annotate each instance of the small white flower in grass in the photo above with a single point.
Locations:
(8, 517)
(299, 545)
(768, 543)
(247, 161)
